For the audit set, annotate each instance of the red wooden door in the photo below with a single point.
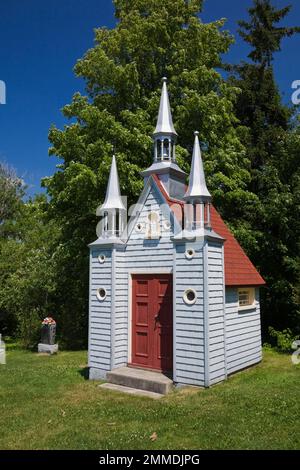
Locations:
(152, 321)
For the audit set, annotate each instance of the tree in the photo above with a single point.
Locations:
(123, 72)
(261, 32)
(259, 106)
(11, 193)
(28, 273)
(273, 148)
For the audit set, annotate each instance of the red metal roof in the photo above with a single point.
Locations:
(239, 271)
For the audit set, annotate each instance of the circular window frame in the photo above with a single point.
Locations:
(101, 258)
(190, 253)
(100, 297)
(139, 227)
(187, 300)
(167, 225)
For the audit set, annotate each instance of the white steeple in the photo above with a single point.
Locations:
(113, 208)
(197, 188)
(164, 165)
(164, 121)
(197, 196)
(113, 194)
(164, 135)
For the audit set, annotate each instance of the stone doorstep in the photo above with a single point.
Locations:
(131, 391)
(140, 379)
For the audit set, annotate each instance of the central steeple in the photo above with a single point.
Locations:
(165, 137)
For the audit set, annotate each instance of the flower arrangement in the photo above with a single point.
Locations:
(48, 321)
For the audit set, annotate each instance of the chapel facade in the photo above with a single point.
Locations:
(171, 290)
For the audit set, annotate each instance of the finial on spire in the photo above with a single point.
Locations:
(165, 121)
(197, 188)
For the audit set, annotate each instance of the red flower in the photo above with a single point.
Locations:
(48, 321)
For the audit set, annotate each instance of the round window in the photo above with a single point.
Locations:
(190, 253)
(190, 296)
(101, 259)
(167, 225)
(101, 294)
(139, 227)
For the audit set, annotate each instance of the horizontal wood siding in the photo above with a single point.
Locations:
(189, 332)
(100, 312)
(216, 313)
(139, 255)
(243, 328)
(121, 311)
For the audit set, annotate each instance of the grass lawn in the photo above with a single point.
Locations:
(46, 403)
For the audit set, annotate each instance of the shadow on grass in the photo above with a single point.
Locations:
(84, 372)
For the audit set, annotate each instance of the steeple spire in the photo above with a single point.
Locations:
(164, 135)
(197, 185)
(164, 165)
(113, 194)
(113, 208)
(165, 121)
(197, 196)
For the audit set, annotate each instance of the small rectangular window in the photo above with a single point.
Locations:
(246, 297)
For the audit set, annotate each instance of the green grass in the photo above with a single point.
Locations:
(46, 403)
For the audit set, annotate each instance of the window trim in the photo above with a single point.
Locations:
(185, 296)
(102, 258)
(101, 298)
(190, 253)
(252, 299)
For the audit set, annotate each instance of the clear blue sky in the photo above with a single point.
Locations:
(40, 41)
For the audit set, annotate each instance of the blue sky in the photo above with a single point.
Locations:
(40, 42)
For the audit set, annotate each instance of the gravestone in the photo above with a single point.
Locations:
(2, 351)
(48, 333)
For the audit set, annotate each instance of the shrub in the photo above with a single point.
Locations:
(284, 339)
(29, 329)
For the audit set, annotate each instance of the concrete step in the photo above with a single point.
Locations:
(140, 379)
(131, 391)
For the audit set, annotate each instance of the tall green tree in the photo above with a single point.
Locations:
(28, 272)
(11, 193)
(262, 32)
(273, 148)
(11, 204)
(123, 72)
(260, 106)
